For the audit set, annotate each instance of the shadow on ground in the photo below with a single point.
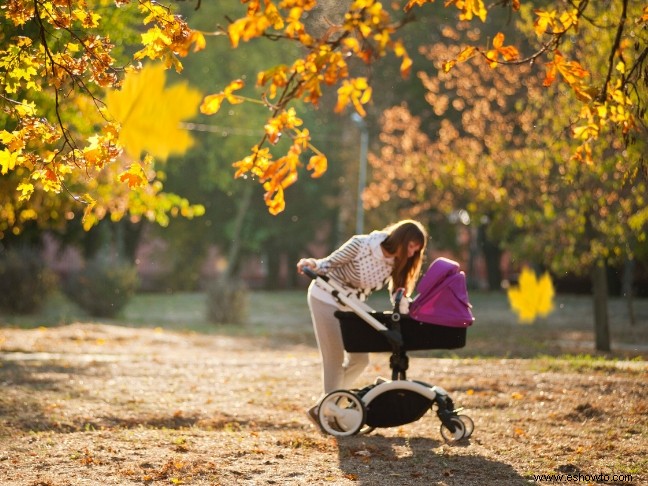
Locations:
(418, 461)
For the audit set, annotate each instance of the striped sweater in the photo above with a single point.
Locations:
(359, 265)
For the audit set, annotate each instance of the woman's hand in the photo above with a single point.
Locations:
(404, 305)
(306, 262)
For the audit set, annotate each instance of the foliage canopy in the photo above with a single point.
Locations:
(61, 147)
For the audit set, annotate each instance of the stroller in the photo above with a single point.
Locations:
(438, 318)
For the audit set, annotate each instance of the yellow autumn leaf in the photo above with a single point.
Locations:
(356, 91)
(26, 189)
(545, 20)
(546, 294)
(212, 103)
(8, 161)
(150, 114)
(533, 297)
(470, 9)
(465, 54)
(89, 219)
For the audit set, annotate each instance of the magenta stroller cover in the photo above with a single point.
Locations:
(442, 296)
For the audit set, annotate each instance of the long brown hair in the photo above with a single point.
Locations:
(406, 270)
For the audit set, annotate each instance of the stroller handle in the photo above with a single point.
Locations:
(312, 274)
(398, 296)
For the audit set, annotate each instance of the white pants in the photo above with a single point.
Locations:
(339, 368)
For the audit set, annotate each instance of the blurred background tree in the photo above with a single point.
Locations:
(496, 144)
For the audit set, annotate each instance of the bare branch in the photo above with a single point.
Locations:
(615, 46)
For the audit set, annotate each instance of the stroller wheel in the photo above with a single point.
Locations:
(456, 434)
(341, 413)
(469, 425)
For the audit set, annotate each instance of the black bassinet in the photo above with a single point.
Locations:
(360, 337)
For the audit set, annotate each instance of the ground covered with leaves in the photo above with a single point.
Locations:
(90, 404)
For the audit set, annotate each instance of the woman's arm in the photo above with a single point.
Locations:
(346, 253)
(343, 255)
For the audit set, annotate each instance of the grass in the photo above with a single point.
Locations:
(283, 316)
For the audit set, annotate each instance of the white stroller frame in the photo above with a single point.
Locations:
(343, 413)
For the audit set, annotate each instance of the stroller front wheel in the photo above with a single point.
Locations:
(454, 431)
(469, 425)
(341, 413)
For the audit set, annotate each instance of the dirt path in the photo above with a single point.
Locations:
(104, 405)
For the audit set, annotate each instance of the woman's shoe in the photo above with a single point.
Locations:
(311, 413)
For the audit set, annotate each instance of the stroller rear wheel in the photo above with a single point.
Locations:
(341, 413)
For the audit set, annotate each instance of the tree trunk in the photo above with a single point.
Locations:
(601, 323)
(626, 289)
(235, 247)
(492, 258)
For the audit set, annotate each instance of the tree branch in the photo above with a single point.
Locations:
(615, 46)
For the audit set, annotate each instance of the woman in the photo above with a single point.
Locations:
(363, 264)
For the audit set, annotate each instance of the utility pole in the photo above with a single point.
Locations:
(362, 171)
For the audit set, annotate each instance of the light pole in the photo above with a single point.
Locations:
(362, 171)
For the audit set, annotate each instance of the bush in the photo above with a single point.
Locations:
(25, 281)
(103, 287)
(227, 301)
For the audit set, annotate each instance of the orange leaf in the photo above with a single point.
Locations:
(275, 201)
(406, 66)
(318, 164)
(571, 71)
(507, 52)
(134, 176)
(550, 76)
(498, 41)
(448, 65)
(466, 54)
(419, 3)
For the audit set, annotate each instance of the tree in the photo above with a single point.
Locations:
(368, 32)
(501, 151)
(61, 151)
